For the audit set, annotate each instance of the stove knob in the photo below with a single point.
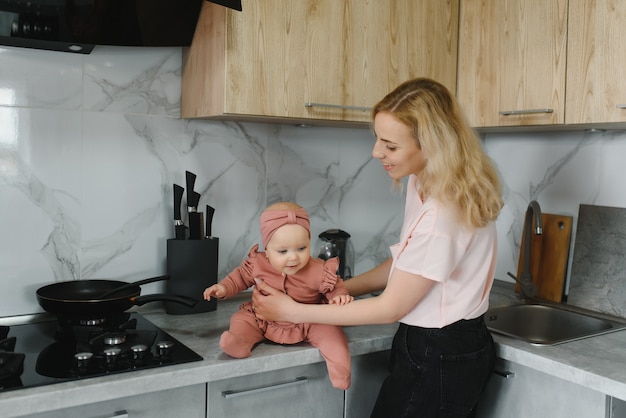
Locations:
(111, 356)
(82, 360)
(139, 353)
(26, 28)
(164, 349)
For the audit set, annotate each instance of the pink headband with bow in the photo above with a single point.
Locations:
(271, 220)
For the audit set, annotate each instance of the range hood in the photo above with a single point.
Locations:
(79, 25)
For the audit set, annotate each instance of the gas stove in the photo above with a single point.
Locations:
(50, 350)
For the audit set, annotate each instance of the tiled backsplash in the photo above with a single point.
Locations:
(90, 146)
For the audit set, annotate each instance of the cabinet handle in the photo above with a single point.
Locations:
(524, 112)
(504, 373)
(334, 106)
(621, 106)
(120, 414)
(280, 385)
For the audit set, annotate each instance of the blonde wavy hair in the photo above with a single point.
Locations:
(458, 172)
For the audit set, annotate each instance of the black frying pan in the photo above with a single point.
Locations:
(83, 298)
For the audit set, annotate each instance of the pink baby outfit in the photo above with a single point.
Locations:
(315, 283)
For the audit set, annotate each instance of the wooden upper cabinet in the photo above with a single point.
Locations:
(314, 60)
(512, 62)
(596, 87)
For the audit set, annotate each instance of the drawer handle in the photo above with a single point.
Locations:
(334, 106)
(120, 414)
(280, 385)
(525, 112)
(504, 373)
(621, 106)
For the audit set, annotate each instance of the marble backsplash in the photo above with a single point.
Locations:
(90, 146)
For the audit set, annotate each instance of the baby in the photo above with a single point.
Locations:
(287, 264)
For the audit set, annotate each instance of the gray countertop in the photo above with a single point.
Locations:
(598, 363)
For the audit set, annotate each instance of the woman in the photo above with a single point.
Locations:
(438, 279)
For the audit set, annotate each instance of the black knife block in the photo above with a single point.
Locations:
(192, 267)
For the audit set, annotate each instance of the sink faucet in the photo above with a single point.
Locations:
(525, 280)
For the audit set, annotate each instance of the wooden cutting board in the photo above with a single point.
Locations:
(549, 256)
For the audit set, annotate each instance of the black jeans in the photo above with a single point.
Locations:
(437, 372)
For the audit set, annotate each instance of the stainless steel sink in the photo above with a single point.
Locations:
(549, 324)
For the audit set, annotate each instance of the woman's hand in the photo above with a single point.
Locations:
(271, 304)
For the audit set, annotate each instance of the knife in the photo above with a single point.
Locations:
(196, 222)
(191, 180)
(209, 221)
(179, 226)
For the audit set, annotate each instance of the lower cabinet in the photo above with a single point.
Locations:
(185, 402)
(519, 391)
(617, 408)
(300, 392)
(368, 373)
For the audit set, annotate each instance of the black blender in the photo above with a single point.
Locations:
(336, 243)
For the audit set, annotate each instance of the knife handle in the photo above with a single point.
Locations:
(181, 231)
(196, 225)
(209, 220)
(178, 199)
(193, 202)
(190, 179)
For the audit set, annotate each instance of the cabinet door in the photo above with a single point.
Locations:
(596, 92)
(245, 63)
(303, 392)
(519, 391)
(188, 402)
(512, 62)
(314, 59)
(357, 52)
(265, 63)
(368, 373)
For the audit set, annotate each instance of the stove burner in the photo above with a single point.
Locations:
(115, 338)
(92, 322)
(114, 321)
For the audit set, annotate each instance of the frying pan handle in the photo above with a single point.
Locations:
(187, 301)
(133, 284)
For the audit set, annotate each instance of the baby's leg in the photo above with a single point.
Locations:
(243, 334)
(333, 346)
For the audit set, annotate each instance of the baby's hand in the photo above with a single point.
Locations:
(341, 300)
(217, 291)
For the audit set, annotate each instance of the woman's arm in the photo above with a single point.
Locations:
(402, 293)
(371, 281)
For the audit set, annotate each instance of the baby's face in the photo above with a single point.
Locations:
(289, 249)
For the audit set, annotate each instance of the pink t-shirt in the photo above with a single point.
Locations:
(460, 260)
